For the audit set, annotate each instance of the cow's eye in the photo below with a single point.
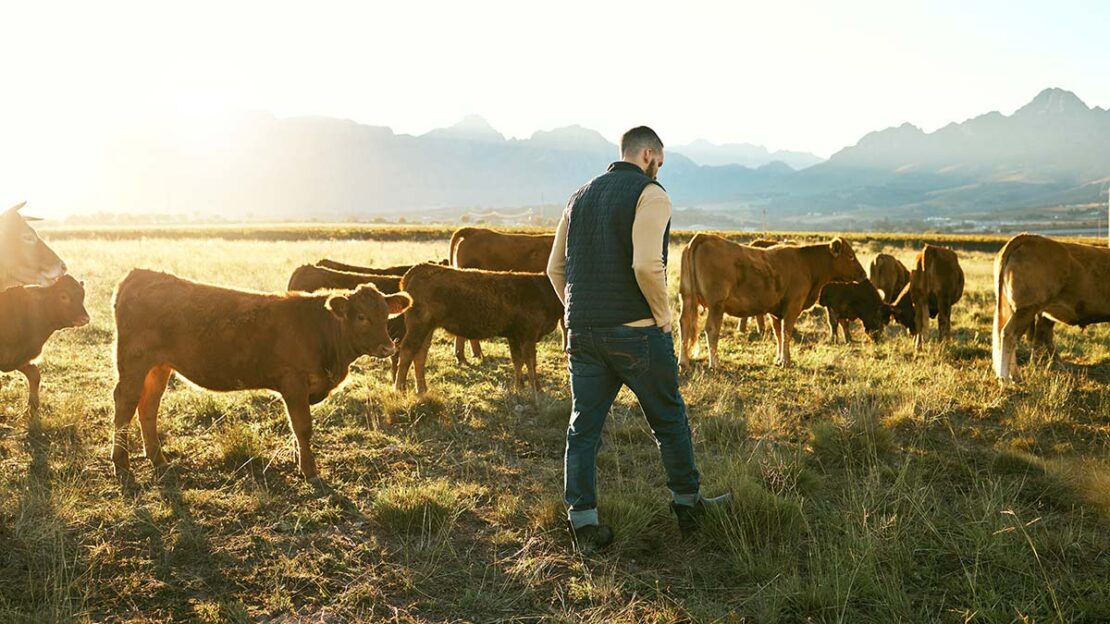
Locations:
(361, 318)
(28, 238)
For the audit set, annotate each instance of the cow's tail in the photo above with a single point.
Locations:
(1001, 310)
(457, 238)
(688, 292)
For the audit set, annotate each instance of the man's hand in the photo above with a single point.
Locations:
(666, 328)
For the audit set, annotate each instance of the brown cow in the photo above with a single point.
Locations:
(889, 275)
(311, 278)
(482, 248)
(473, 303)
(936, 284)
(26, 260)
(31, 315)
(1040, 280)
(222, 339)
(745, 281)
(397, 270)
(761, 319)
(846, 301)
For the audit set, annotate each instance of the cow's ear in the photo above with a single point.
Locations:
(14, 210)
(836, 246)
(398, 303)
(338, 305)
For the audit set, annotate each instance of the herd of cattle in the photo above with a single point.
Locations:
(301, 343)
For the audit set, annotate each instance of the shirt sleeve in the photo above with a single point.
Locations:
(653, 212)
(557, 261)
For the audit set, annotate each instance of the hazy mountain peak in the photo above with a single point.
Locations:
(705, 152)
(471, 128)
(1053, 101)
(574, 137)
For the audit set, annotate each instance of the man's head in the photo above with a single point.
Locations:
(643, 148)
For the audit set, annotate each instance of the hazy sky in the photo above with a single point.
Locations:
(795, 75)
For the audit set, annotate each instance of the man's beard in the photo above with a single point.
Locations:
(652, 169)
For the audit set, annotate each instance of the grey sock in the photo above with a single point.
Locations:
(688, 500)
(579, 519)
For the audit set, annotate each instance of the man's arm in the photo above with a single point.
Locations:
(653, 212)
(557, 261)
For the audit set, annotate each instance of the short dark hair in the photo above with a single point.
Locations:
(638, 138)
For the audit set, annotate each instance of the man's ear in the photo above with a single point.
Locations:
(338, 305)
(836, 246)
(398, 303)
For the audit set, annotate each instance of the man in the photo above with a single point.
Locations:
(608, 264)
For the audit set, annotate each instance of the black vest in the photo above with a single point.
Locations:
(601, 286)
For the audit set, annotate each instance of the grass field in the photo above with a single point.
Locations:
(871, 485)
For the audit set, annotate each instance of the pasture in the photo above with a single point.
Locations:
(871, 485)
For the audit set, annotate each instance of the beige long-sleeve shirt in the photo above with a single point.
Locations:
(653, 212)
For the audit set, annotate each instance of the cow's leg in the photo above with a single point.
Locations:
(410, 346)
(517, 353)
(421, 358)
(126, 395)
(34, 378)
(530, 356)
(788, 320)
(922, 323)
(776, 326)
(761, 323)
(154, 386)
(688, 328)
(476, 349)
(846, 326)
(834, 322)
(1015, 326)
(460, 349)
(742, 326)
(713, 322)
(944, 320)
(393, 360)
(300, 421)
(1043, 340)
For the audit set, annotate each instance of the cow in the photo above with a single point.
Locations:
(476, 304)
(31, 315)
(746, 281)
(314, 278)
(847, 301)
(761, 319)
(482, 248)
(26, 260)
(936, 284)
(1039, 280)
(889, 275)
(296, 344)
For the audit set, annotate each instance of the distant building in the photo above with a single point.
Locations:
(494, 217)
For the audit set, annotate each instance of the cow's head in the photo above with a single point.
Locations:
(845, 265)
(901, 311)
(870, 309)
(24, 259)
(66, 303)
(365, 314)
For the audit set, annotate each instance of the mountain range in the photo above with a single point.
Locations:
(1052, 152)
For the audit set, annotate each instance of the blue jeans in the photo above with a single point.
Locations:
(601, 361)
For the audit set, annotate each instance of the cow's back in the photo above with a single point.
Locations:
(482, 248)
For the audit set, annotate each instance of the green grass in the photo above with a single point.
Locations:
(871, 484)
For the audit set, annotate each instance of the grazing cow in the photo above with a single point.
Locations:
(761, 319)
(936, 284)
(31, 315)
(1040, 280)
(26, 260)
(889, 275)
(313, 278)
(473, 303)
(222, 339)
(745, 281)
(482, 248)
(846, 301)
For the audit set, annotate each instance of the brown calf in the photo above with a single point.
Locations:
(25, 259)
(298, 345)
(471, 303)
(31, 314)
(936, 284)
(889, 275)
(746, 281)
(482, 248)
(845, 302)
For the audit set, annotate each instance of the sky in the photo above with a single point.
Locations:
(811, 76)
